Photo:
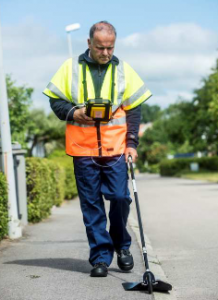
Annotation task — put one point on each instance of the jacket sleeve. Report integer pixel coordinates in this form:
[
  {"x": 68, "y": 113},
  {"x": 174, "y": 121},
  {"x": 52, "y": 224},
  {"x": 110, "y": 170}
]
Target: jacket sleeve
[
  {"x": 133, "y": 117},
  {"x": 60, "y": 85},
  {"x": 136, "y": 92},
  {"x": 62, "y": 109}
]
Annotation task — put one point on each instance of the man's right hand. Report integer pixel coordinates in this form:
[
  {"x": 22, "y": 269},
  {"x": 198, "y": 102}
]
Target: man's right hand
[{"x": 80, "y": 117}]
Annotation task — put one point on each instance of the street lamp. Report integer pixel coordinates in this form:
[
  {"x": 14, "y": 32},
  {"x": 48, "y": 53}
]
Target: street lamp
[{"x": 69, "y": 28}]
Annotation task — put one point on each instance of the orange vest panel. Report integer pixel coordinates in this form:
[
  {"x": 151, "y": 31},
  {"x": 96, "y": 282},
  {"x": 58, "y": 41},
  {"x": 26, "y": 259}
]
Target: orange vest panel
[{"x": 82, "y": 140}]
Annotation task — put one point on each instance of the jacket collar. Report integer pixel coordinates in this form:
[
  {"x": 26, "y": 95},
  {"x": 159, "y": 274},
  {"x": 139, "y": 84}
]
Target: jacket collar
[{"x": 89, "y": 60}]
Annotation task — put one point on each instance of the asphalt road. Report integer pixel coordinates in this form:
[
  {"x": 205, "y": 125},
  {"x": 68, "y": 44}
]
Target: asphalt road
[{"x": 180, "y": 218}]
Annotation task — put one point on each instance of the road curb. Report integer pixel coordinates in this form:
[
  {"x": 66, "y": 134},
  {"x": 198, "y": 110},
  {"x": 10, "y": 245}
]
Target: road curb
[{"x": 153, "y": 260}]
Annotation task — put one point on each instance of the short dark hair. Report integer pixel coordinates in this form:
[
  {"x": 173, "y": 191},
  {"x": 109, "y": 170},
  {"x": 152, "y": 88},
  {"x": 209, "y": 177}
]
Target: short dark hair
[{"x": 98, "y": 27}]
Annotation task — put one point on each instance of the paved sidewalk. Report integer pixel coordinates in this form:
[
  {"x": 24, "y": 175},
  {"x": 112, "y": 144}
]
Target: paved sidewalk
[{"x": 51, "y": 263}]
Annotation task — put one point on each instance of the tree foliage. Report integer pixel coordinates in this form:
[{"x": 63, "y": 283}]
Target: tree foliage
[
  {"x": 31, "y": 127},
  {"x": 206, "y": 113},
  {"x": 47, "y": 131},
  {"x": 186, "y": 126},
  {"x": 149, "y": 113},
  {"x": 19, "y": 102}
]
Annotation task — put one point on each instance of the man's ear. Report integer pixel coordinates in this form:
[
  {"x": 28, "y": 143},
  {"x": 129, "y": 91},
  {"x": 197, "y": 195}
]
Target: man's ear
[{"x": 89, "y": 43}]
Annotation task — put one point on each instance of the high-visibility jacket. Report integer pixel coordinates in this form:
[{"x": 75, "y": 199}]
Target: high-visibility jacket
[{"x": 107, "y": 139}]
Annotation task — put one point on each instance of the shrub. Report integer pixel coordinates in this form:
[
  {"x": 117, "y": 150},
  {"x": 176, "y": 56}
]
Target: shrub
[
  {"x": 66, "y": 162},
  {"x": 175, "y": 167},
  {"x": 58, "y": 182},
  {"x": 45, "y": 187},
  {"x": 3, "y": 206},
  {"x": 70, "y": 183}
]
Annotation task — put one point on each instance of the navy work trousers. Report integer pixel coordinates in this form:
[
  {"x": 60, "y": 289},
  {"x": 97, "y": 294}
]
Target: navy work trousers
[{"x": 95, "y": 178}]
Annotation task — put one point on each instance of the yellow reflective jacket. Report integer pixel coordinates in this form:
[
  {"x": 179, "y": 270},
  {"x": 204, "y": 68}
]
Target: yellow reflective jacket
[{"x": 129, "y": 92}]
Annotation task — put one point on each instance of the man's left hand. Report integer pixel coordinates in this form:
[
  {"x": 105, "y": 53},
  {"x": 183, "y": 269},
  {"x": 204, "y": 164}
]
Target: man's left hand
[{"x": 131, "y": 151}]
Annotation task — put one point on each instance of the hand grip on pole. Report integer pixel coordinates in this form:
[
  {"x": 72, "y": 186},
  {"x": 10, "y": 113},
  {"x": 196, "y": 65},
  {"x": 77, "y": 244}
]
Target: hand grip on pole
[{"x": 130, "y": 161}]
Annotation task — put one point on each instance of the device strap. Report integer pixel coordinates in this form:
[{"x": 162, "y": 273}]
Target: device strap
[
  {"x": 85, "y": 90},
  {"x": 113, "y": 82}
]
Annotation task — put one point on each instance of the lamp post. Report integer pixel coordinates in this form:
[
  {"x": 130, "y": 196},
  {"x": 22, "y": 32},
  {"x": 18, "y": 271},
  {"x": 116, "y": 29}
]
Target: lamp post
[
  {"x": 69, "y": 28},
  {"x": 15, "y": 230}
]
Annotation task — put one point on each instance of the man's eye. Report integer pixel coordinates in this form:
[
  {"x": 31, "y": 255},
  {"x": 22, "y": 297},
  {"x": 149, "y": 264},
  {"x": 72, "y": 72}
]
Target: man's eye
[{"x": 109, "y": 48}]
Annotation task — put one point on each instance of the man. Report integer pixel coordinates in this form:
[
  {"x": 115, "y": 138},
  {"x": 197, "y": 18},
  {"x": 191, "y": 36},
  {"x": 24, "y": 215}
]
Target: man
[{"x": 101, "y": 149}]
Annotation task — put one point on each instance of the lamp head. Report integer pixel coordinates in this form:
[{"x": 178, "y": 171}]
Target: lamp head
[{"x": 72, "y": 27}]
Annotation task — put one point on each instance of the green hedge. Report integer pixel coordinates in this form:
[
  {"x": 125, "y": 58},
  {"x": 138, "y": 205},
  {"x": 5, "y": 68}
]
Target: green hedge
[
  {"x": 3, "y": 207},
  {"x": 58, "y": 178},
  {"x": 60, "y": 157},
  {"x": 175, "y": 167},
  {"x": 70, "y": 183},
  {"x": 49, "y": 182},
  {"x": 45, "y": 187}
]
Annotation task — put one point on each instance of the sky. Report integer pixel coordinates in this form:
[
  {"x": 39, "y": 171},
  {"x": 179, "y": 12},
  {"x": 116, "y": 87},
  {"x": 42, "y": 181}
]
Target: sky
[{"x": 171, "y": 44}]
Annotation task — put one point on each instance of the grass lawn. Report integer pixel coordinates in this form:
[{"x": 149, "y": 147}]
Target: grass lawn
[{"x": 208, "y": 176}]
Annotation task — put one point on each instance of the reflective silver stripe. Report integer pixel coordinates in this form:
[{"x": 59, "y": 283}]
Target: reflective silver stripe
[
  {"x": 120, "y": 84},
  {"x": 78, "y": 124},
  {"x": 75, "y": 79},
  {"x": 113, "y": 122},
  {"x": 135, "y": 96},
  {"x": 115, "y": 107},
  {"x": 56, "y": 91}
]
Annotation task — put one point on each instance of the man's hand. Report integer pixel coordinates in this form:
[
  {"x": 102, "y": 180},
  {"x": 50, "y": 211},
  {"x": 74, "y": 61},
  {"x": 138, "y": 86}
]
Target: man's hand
[
  {"x": 80, "y": 117},
  {"x": 132, "y": 152}
]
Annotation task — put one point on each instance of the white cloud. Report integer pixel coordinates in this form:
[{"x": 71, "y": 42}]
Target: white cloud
[
  {"x": 32, "y": 55},
  {"x": 171, "y": 59},
  {"x": 184, "y": 37}
]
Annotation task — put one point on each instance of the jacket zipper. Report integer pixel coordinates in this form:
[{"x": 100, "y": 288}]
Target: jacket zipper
[{"x": 99, "y": 81}]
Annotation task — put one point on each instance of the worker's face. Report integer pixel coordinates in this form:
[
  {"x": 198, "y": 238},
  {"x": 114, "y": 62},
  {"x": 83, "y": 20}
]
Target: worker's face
[{"x": 102, "y": 46}]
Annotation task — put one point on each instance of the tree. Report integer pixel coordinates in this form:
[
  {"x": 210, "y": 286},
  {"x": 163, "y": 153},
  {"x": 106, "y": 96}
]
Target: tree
[
  {"x": 47, "y": 131},
  {"x": 150, "y": 113},
  {"x": 32, "y": 127},
  {"x": 170, "y": 133},
  {"x": 19, "y": 102},
  {"x": 205, "y": 101},
  {"x": 186, "y": 126},
  {"x": 212, "y": 84}
]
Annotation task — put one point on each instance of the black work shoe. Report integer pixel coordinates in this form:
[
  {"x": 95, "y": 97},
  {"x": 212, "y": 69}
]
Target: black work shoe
[
  {"x": 125, "y": 260},
  {"x": 99, "y": 270}
]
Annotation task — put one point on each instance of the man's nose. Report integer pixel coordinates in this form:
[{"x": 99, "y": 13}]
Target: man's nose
[{"x": 105, "y": 51}]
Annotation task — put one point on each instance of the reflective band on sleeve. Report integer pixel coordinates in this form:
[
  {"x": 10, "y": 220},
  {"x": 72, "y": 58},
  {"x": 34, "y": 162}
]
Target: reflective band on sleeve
[
  {"x": 56, "y": 91},
  {"x": 75, "y": 80},
  {"x": 120, "y": 82},
  {"x": 142, "y": 90},
  {"x": 113, "y": 122},
  {"x": 142, "y": 99}
]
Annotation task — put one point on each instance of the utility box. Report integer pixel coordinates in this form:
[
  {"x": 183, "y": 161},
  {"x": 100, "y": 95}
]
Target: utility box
[{"x": 20, "y": 181}]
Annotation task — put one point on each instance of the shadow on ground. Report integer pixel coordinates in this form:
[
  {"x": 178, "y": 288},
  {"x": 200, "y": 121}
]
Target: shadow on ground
[{"x": 67, "y": 264}]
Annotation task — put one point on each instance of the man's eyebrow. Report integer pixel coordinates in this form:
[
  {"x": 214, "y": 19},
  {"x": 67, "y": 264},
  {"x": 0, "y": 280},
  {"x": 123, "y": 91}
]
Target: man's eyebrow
[{"x": 104, "y": 47}]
